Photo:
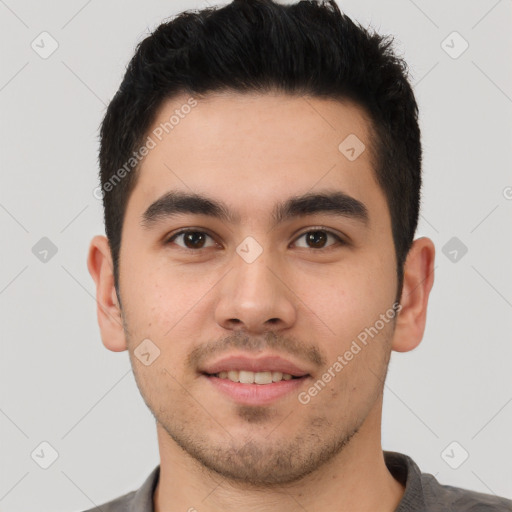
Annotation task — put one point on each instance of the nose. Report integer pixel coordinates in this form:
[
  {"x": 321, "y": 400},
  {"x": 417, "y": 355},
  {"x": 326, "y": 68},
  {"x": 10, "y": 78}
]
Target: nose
[{"x": 255, "y": 297}]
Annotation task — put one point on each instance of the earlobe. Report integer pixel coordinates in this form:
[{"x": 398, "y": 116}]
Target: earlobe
[
  {"x": 109, "y": 313},
  {"x": 417, "y": 284}
]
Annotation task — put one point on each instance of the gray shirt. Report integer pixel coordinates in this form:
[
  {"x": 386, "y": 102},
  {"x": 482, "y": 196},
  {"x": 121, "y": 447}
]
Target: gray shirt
[{"x": 423, "y": 493}]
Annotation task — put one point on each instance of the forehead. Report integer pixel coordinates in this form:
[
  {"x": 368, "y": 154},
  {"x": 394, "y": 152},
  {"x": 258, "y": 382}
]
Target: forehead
[{"x": 254, "y": 150}]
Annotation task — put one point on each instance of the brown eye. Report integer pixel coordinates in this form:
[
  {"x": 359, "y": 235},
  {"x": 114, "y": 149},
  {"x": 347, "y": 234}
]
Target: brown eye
[
  {"x": 191, "y": 239},
  {"x": 317, "y": 239}
]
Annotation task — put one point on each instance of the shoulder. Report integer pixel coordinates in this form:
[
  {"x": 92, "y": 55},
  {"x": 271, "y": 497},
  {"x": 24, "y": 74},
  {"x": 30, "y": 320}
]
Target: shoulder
[
  {"x": 140, "y": 500},
  {"x": 447, "y": 498},
  {"x": 424, "y": 493},
  {"x": 121, "y": 504}
]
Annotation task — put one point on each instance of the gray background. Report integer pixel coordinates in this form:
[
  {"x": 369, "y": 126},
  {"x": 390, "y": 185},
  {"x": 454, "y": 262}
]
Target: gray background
[{"x": 60, "y": 385}]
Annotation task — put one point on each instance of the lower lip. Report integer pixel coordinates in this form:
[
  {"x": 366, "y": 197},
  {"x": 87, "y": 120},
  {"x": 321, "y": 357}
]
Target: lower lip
[{"x": 256, "y": 394}]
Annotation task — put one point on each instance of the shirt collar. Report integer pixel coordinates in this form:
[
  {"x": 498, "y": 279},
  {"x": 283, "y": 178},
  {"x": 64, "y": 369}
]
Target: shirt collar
[
  {"x": 401, "y": 466},
  {"x": 406, "y": 471},
  {"x": 143, "y": 498}
]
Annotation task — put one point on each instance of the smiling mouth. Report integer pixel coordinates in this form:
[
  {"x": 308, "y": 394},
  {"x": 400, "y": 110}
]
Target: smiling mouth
[{"x": 249, "y": 377}]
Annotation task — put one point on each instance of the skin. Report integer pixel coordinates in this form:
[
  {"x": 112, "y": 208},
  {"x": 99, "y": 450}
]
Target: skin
[{"x": 252, "y": 151}]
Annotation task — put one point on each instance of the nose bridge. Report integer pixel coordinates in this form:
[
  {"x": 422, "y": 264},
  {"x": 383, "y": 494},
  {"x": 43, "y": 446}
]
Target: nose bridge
[
  {"x": 254, "y": 281},
  {"x": 253, "y": 295}
]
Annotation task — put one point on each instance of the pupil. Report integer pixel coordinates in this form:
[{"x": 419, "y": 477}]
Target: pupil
[
  {"x": 317, "y": 238},
  {"x": 192, "y": 238}
]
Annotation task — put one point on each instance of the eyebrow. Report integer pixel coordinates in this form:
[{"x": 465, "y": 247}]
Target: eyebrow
[{"x": 334, "y": 203}]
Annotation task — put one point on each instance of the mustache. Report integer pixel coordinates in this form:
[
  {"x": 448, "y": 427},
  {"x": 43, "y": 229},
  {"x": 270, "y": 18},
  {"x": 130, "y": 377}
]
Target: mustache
[{"x": 270, "y": 340}]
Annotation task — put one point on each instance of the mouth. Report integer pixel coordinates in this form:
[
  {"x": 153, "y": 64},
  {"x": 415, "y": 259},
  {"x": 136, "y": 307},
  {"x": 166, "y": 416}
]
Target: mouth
[
  {"x": 255, "y": 381},
  {"x": 264, "y": 369},
  {"x": 249, "y": 377}
]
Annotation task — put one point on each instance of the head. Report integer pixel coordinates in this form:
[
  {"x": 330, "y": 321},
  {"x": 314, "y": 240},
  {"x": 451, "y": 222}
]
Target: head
[
  {"x": 262, "y": 120},
  {"x": 305, "y": 49}
]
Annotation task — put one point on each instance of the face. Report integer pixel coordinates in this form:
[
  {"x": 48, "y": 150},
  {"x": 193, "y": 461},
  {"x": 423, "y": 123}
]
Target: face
[{"x": 283, "y": 271}]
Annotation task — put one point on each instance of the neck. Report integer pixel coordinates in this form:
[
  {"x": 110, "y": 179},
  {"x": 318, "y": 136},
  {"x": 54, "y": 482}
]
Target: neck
[{"x": 355, "y": 479}]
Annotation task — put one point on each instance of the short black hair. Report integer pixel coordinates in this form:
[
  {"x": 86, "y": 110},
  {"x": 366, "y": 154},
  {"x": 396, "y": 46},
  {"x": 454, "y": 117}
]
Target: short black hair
[{"x": 306, "y": 48}]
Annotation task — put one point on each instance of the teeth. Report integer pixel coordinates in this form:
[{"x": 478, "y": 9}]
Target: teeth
[
  {"x": 247, "y": 377},
  {"x": 233, "y": 375},
  {"x": 276, "y": 376},
  {"x": 262, "y": 378}
]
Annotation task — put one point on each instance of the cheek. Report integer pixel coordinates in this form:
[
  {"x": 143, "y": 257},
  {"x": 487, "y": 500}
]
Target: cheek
[
  {"x": 350, "y": 296},
  {"x": 158, "y": 294},
  {"x": 170, "y": 308},
  {"x": 349, "y": 302}
]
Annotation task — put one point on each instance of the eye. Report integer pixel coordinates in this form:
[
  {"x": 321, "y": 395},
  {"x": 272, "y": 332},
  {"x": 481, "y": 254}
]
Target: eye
[
  {"x": 191, "y": 239},
  {"x": 317, "y": 239},
  {"x": 195, "y": 240}
]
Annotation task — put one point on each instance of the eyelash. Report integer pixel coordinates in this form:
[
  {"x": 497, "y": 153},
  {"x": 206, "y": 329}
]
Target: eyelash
[{"x": 339, "y": 240}]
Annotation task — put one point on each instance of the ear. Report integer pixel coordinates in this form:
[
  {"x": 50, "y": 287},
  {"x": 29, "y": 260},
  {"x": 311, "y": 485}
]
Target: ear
[
  {"x": 99, "y": 263},
  {"x": 418, "y": 281}
]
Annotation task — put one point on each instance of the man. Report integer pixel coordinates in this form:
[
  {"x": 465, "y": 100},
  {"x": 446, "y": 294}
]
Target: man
[{"x": 261, "y": 175}]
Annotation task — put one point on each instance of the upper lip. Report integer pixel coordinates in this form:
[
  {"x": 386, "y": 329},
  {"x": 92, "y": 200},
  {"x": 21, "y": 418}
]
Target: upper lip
[{"x": 254, "y": 364}]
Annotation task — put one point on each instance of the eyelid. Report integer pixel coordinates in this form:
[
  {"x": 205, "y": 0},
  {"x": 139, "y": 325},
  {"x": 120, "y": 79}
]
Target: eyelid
[
  {"x": 339, "y": 238},
  {"x": 169, "y": 239}
]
